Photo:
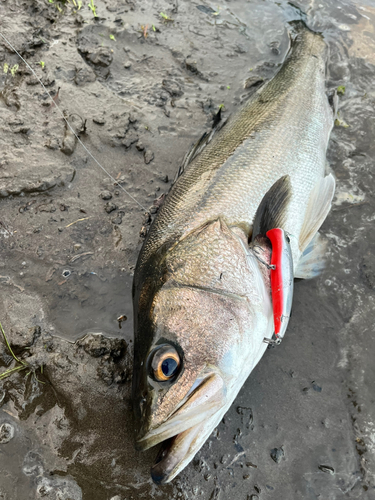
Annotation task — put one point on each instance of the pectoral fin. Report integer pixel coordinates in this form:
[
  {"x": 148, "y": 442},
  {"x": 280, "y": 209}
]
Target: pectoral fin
[
  {"x": 317, "y": 210},
  {"x": 312, "y": 261},
  {"x": 272, "y": 209}
]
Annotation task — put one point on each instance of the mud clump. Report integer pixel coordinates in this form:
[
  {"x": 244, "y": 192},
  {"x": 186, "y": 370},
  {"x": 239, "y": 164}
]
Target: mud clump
[
  {"x": 99, "y": 346},
  {"x": 110, "y": 207},
  {"x": 76, "y": 126},
  {"x": 148, "y": 156},
  {"x": 6, "y": 433},
  {"x": 100, "y": 57},
  {"x": 105, "y": 195},
  {"x": 84, "y": 74}
]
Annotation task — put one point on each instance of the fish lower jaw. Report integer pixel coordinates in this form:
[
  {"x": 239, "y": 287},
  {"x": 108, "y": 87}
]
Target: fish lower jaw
[
  {"x": 177, "y": 426},
  {"x": 176, "y": 452}
]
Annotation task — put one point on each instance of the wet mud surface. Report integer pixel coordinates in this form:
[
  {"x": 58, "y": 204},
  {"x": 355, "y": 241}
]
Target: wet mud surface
[{"x": 139, "y": 89}]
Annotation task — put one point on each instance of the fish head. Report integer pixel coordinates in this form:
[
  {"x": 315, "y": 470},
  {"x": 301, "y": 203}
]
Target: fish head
[{"x": 201, "y": 351}]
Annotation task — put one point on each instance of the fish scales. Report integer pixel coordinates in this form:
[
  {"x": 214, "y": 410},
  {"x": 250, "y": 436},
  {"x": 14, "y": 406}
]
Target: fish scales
[
  {"x": 202, "y": 300},
  {"x": 283, "y": 129}
]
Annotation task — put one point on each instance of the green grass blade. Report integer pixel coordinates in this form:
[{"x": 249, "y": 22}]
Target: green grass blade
[
  {"x": 12, "y": 370},
  {"x": 8, "y": 345}
]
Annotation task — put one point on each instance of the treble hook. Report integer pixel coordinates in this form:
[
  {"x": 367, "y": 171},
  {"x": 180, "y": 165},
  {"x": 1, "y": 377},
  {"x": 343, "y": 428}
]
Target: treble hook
[
  {"x": 276, "y": 340},
  {"x": 256, "y": 255}
]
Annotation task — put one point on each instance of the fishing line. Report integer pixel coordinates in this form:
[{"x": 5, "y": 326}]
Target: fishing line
[{"x": 53, "y": 103}]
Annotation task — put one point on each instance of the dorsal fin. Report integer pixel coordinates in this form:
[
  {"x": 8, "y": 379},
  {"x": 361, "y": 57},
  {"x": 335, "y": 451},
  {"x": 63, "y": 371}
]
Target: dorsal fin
[
  {"x": 218, "y": 124},
  {"x": 272, "y": 209}
]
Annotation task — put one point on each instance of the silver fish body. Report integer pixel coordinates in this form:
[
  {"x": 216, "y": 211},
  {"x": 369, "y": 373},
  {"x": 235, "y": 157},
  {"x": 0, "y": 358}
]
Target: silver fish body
[{"x": 202, "y": 302}]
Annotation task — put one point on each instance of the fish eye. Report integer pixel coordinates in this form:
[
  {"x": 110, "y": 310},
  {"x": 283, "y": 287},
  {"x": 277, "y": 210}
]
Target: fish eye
[{"x": 165, "y": 363}]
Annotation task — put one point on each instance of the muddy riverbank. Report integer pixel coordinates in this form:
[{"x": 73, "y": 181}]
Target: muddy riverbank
[{"x": 139, "y": 83}]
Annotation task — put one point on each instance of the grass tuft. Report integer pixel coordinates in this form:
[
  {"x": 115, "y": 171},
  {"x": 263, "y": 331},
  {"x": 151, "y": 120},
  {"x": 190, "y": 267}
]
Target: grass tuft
[
  {"x": 8, "y": 346},
  {"x": 93, "y": 7},
  {"x": 21, "y": 365},
  {"x": 166, "y": 17}
]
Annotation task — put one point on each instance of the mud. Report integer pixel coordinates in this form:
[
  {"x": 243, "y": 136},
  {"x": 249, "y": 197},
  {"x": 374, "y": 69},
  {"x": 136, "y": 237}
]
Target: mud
[{"x": 139, "y": 89}]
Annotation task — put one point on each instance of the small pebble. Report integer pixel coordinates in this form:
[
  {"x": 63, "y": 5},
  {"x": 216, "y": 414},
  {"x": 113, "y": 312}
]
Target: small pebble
[
  {"x": 316, "y": 387},
  {"x": 99, "y": 120},
  {"x": 277, "y": 454},
  {"x": 148, "y": 156},
  {"x": 117, "y": 220},
  {"x": 6, "y": 433},
  {"x": 327, "y": 468},
  {"x": 105, "y": 195},
  {"x": 127, "y": 65},
  {"x": 110, "y": 207}
]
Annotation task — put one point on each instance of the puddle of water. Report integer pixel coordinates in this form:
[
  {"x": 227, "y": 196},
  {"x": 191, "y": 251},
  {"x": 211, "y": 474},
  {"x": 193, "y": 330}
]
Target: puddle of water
[
  {"x": 79, "y": 298},
  {"x": 93, "y": 303}
]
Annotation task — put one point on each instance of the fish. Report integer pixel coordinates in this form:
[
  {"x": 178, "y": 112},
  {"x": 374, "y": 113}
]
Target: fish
[{"x": 202, "y": 291}]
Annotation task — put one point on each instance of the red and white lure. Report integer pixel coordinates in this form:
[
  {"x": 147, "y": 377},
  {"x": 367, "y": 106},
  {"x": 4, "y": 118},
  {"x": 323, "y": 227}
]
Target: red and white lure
[
  {"x": 282, "y": 279},
  {"x": 271, "y": 246}
]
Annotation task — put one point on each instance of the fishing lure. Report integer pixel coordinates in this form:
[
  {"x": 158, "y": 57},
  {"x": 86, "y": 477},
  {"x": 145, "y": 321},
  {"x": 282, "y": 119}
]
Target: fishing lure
[{"x": 282, "y": 280}]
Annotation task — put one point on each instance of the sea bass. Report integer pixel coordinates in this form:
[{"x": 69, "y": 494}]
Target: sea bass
[{"x": 202, "y": 289}]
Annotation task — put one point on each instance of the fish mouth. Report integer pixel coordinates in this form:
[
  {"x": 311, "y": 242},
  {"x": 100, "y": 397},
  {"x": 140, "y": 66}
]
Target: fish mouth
[
  {"x": 176, "y": 452},
  {"x": 180, "y": 432}
]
